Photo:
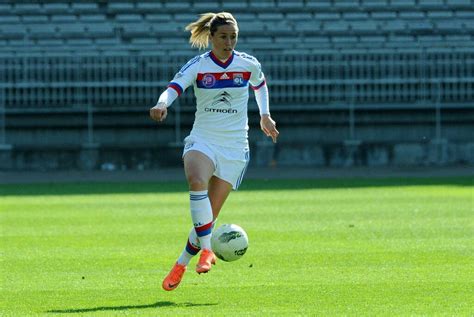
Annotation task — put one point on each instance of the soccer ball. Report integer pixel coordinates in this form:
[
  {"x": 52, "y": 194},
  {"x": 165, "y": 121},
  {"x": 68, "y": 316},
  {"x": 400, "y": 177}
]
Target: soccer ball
[{"x": 229, "y": 242}]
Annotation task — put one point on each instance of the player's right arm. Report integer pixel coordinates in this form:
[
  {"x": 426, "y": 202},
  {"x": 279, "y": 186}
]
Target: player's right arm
[
  {"x": 182, "y": 80},
  {"x": 159, "y": 112}
]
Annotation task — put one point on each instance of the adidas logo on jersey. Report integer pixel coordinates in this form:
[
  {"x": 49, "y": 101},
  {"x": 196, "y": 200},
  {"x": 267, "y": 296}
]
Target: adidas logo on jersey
[{"x": 224, "y": 76}]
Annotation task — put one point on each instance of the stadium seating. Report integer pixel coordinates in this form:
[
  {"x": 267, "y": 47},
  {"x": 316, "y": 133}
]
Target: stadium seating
[
  {"x": 394, "y": 60},
  {"x": 318, "y": 55},
  {"x": 346, "y": 23}
]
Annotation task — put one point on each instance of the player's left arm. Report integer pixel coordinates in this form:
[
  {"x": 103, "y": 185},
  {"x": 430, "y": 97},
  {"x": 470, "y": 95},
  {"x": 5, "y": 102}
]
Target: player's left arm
[{"x": 267, "y": 124}]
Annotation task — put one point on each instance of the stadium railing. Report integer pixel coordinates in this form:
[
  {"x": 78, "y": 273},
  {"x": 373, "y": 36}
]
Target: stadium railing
[{"x": 383, "y": 78}]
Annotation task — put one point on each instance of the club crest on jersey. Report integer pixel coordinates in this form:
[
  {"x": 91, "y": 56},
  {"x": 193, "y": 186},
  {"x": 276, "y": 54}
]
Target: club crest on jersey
[
  {"x": 238, "y": 79},
  {"x": 208, "y": 80}
]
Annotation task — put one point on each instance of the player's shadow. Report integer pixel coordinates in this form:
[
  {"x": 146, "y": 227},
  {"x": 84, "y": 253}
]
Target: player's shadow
[{"x": 128, "y": 307}]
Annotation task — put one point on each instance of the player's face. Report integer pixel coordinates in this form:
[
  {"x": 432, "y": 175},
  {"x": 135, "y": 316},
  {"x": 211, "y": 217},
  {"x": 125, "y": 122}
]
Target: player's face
[{"x": 224, "y": 40}]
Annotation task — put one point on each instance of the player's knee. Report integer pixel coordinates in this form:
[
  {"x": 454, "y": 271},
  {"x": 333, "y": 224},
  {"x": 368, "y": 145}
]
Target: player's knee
[{"x": 197, "y": 182}]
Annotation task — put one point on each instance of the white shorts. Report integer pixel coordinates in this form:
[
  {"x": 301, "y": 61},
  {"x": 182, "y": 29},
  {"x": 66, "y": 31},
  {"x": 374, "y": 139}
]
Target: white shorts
[{"x": 230, "y": 163}]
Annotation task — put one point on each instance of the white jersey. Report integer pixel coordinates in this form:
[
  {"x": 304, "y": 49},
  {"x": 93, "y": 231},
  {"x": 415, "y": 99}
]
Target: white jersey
[{"x": 222, "y": 93}]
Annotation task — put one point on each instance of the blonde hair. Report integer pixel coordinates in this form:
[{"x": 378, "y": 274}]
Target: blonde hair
[{"x": 207, "y": 25}]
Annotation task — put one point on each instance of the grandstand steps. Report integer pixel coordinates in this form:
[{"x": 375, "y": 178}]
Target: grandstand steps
[
  {"x": 393, "y": 122},
  {"x": 130, "y": 140},
  {"x": 347, "y": 23},
  {"x": 394, "y": 60}
]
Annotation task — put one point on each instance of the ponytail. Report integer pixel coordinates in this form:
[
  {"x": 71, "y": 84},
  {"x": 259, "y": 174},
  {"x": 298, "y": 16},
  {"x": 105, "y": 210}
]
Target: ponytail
[{"x": 207, "y": 25}]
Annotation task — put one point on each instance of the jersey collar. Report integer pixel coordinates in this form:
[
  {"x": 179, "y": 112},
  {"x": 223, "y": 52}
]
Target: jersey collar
[{"x": 222, "y": 64}]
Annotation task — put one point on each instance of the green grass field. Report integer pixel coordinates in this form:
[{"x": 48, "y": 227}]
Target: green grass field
[{"x": 381, "y": 247}]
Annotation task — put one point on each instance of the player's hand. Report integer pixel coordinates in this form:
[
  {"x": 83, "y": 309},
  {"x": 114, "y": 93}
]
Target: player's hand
[
  {"x": 268, "y": 127},
  {"x": 159, "y": 112}
]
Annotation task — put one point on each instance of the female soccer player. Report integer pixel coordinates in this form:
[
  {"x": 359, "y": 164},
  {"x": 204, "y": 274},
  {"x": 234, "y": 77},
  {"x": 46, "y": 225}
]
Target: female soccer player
[{"x": 216, "y": 153}]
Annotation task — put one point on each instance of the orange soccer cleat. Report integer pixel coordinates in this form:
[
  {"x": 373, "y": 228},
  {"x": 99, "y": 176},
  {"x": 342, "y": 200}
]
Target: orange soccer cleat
[
  {"x": 206, "y": 260},
  {"x": 174, "y": 277}
]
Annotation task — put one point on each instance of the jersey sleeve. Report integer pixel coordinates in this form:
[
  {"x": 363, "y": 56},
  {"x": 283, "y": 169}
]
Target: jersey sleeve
[
  {"x": 186, "y": 76},
  {"x": 257, "y": 78}
]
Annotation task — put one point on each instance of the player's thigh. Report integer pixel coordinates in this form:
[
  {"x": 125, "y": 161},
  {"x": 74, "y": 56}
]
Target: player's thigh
[
  {"x": 198, "y": 168},
  {"x": 218, "y": 192}
]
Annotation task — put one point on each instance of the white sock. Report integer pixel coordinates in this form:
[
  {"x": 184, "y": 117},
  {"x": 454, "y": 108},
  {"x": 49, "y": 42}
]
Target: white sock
[{"x": 201, "y": 213}]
